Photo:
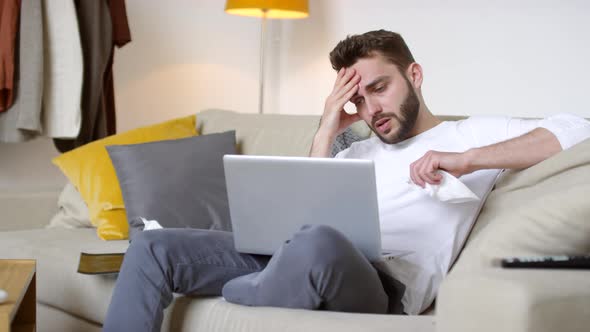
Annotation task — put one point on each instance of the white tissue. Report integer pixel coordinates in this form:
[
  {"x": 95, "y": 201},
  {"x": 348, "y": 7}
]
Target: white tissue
[
  {"x": 150, "y": 224},
  {"x": 450, "y": 189}
]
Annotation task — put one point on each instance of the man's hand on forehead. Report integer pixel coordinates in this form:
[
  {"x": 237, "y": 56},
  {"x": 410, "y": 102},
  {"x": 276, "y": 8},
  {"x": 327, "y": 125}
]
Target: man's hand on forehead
[
  {"x": 346, "y": 85},
  {"x": 335, "y": 120}
]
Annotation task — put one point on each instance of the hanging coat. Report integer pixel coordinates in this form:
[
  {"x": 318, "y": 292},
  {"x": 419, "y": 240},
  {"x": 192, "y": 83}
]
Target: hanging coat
[
  {"x": 9, "y": 11},
  {"x": 94, "y": 21},
  {"x": 63, "y": 74},
  {"x": 22, "y": 121}
]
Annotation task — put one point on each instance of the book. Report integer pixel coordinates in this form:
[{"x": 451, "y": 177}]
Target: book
[{"x": 100, "y": 263}]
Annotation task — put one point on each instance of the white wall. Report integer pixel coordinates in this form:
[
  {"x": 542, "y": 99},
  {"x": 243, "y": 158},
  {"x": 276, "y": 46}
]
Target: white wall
[
  {"x": 524, "y": 58},
  {"x": 26, "y": 167},
  {"x": 185, "y": 56}
]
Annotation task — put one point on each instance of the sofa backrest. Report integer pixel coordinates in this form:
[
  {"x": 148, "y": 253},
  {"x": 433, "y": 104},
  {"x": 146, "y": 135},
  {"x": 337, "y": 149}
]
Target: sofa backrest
[
  {"x": 267, "y": 134},
  {"x": 271, "y": 134},
  {"x": 541, "y": 210}
]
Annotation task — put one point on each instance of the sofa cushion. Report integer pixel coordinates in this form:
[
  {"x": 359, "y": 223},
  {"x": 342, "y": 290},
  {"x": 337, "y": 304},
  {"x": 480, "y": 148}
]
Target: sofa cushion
[
  {"x": 542, "y": 210},
  {"x": 178, "y": 183},
  {"x": 59, "y": 286},
  {"x": 89, "y": 168},
  {"x": 51, "y": 319},
  {"x": 514, "y": 300},
  {"x": 57, "y": 251},
  {"x": 213, "y": 314}
]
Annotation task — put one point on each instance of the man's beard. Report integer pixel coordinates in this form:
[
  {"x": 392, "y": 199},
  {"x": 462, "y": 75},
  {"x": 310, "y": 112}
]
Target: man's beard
[{"x": 409, "y": 113}]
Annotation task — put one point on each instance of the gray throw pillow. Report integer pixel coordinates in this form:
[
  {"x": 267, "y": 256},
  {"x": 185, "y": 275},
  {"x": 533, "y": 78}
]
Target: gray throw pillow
[
  {"x": 178, "y": 183},
  {"x": 344, "y": 141}
]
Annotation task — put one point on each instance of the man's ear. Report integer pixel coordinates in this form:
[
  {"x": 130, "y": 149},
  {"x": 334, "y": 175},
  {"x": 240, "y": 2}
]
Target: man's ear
[{"x": 414, "y": 74}]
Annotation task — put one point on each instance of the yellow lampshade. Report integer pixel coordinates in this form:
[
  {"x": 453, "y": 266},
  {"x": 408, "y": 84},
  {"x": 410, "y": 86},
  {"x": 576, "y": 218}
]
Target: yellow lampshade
[{"x": 272, "y": 8}]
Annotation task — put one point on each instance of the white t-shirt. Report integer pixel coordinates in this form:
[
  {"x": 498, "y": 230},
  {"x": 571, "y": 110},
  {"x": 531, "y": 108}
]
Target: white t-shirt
[{"x": 424, "y": 234}]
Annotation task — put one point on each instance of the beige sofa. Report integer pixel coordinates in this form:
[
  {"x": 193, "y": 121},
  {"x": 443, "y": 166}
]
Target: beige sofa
[{"x": 542, "y": 210}]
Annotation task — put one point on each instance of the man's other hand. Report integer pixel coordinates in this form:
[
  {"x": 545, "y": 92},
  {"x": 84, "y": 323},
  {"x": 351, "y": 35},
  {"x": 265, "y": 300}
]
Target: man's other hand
[{"x": 425, "y": 169}]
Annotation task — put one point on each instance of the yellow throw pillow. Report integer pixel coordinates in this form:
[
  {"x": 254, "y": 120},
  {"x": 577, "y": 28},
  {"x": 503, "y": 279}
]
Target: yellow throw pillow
[{"x": 89, "y": 168}]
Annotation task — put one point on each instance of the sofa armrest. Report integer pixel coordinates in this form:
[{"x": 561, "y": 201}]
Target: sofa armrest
[
  {"x": 27, "y": 209},
  {"x": 507, "y": 300}
]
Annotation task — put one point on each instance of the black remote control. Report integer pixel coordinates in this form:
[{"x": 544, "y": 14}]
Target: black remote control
[{"x": 548, "y": 262}]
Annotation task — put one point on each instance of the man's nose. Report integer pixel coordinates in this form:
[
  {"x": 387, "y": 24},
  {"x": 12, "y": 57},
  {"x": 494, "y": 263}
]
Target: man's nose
[{"x": 373, "y": 107}]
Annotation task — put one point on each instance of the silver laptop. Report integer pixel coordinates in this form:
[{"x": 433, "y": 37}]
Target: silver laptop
[{"x": 271, "y": 198}]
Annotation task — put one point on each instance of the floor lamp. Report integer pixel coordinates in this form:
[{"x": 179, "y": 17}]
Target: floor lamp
[{"x": 279, "y": 9}]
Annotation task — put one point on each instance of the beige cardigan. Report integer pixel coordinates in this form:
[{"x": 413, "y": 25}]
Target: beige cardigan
[{"x": 63, "y": 75}]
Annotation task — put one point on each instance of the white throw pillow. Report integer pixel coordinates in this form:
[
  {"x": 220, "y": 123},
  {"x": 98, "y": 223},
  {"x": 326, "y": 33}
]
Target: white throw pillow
[{"x": 72, "y": 210}]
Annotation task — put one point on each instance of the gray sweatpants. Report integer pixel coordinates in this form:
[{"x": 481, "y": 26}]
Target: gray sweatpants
[{"x": 317, "y": 269}]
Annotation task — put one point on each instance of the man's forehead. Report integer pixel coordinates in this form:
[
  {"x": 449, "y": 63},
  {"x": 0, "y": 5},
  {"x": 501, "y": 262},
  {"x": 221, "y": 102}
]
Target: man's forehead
[
  {"x": 369, "y": 75},
  {"x": 376, "y": 63}
]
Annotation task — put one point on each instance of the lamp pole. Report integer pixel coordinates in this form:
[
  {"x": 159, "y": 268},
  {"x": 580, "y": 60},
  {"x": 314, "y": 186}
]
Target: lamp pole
[
  {"x": 261, "y": 73},
  {"x": 272, "y": 9}
]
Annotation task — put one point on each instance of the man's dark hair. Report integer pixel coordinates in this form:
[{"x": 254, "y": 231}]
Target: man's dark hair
[{"x": 389, "y": 44}]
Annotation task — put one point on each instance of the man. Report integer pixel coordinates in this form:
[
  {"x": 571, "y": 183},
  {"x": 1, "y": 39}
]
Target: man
[{"x": 319, "y": 268}]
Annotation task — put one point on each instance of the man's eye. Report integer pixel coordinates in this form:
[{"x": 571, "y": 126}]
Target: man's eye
[
  {"x": 358, "y": 102},
  {"x": 380, "y": 89}
]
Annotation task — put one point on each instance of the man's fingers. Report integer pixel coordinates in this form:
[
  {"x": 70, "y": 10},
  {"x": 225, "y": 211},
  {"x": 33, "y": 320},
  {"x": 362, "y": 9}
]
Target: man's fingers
[
  {"x": 436, "y": 175},
  {"x": 428, "y": 170},
  {"x": 348, "y": 90},
  {"x": 422, "y": 176},
  {"x": 340, "y": 82},
  {"x": 349, "y": 93},
  {"x": 354, "y": 81},
  {"x": 338, "y": 102},
  {"x": 423, "y": 171},
  {"x": 414, "y": 173},
  {"x": 434, "y": 167},
  {"x": 341, "y": 73},
  {"x": 429, "y": 177}
]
